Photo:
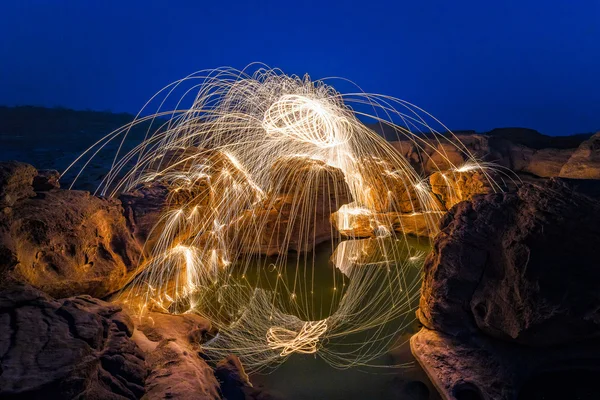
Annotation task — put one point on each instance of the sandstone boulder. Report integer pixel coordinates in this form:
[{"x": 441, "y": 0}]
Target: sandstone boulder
[
  {"x": 69, "y": 349},
  {"x": 520, "y": 267},
  {"x": 172, "y": 347},
  {"x": 585, "y": 161},
  {"x": 510, "y": 294},
  {"x": 547, "y": 163},
  {"x": 480, "y": 368},
  {"x": 352, "y": 222},
  {"x": 203, "y": 185},
  {"x": 301, "y": 187},
  {"x": 429, "y": 154},
  {"x": 67, "y": 243},
  {"x": 455, "y": 186},
  {"x": 143, "y": 208},
  {"x": 16, "y": 179},
  {"x": 235, "y": 383}
]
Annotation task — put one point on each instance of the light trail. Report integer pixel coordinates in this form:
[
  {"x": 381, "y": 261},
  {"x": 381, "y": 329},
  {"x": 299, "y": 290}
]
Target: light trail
[{"x": 258, "y": 163}]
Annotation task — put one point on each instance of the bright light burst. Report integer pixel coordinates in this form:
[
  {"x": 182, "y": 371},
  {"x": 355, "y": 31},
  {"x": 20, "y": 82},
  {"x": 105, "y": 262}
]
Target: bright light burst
[{"x": 255, "y": 167}]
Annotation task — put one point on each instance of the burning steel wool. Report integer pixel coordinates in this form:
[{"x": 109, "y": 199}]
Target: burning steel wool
[{"x": 260, "y": 169}]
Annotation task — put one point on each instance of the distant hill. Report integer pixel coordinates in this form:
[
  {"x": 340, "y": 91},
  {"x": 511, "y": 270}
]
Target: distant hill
[
  {"x": 525, "y": 136},
  {"x": 55, "y": 137},
  {"x": 535, "y": 140},
  {"x": 52, "y": 138},
  {"x": 33, "y": 120}
]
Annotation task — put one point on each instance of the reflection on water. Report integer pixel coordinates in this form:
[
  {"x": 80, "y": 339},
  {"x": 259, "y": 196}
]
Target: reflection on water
[{"x": 351, "y": 304}]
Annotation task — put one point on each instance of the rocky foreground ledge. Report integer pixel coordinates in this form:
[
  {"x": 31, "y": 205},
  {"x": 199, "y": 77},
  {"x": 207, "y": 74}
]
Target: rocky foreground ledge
[
  {"x": 511, "y": 291},
  {"x": 60, "y": 251}
]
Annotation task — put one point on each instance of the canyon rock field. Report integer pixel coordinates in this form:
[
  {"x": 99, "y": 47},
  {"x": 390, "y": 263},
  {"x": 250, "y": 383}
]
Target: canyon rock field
[{"x": 510, "y": 290}]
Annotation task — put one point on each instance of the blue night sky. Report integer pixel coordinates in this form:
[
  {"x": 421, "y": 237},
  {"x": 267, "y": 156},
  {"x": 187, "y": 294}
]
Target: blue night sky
[{"x": 473, "y": 64}]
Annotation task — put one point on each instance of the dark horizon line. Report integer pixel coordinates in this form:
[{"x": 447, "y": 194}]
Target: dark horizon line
[{"x": 133, "y": 115}]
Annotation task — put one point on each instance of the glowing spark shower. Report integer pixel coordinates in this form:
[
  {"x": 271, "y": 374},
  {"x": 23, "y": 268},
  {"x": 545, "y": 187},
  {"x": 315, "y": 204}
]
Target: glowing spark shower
[{"x": 261, "y": 171}]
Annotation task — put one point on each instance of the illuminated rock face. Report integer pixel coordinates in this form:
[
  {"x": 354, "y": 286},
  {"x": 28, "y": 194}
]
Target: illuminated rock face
[
  {"x": 295, "y": 214},
  {"x": 428, "y": 155},
  {"x": 172, "y": 344},
  {"x": 71, "y": 348},
  {"x": 452, "y": 187},
  {"x": 67, "y": 243},
  {"x": 362, "y": 223},
  {"x": 389, "y": 190},
  {"x": 585, "y": 161},
  {"x": 143, "y": 208}
]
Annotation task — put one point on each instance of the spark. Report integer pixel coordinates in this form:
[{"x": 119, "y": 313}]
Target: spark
[
  {"x": 242, "y": 146},
  {"x": 305, "y": 341}
]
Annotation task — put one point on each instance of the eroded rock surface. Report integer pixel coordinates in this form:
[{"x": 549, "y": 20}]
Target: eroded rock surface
[
  {"x": 511, "y": 290},
  {"x": 300, "y": 187},
  {"x": 172, "y": 344},
  {"x": 67, "y": 243},
  {"x": 16, "y": 179},
  {"x": 479, "y": 367},
  {"x": 61, "y": 241},
  {"x": 519, "y": 266},
  {"x": 452, "y": 187},
  {"x": 363, "y": 223},
  {"x": 585, "y": 161},
  {"x": 72, "y": 348}
]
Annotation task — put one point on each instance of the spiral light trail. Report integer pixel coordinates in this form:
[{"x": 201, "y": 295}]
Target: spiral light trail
[{"x": 262, "y": 170}]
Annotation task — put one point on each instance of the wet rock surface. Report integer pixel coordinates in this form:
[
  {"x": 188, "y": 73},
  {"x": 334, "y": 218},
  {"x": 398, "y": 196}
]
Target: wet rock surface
[{"x": 78, "y": 347}]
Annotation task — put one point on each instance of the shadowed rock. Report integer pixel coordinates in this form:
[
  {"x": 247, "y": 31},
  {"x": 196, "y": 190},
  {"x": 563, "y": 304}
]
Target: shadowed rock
[
  {"x": 481, "y": 368},
  {"x": 235, "y": 383},
  {"x": 70, "y": 348},
  {"x": 519, "y": 266},
  {"x": 46, "y": 179},
  {"x": 16, "y": 180},
  {"x": 511, "y": 290}
]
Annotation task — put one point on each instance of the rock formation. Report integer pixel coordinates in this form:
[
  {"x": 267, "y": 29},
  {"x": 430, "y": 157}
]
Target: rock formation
[
  {"x": 63, "y": 242},
  {"x": 521, "y": 150},
  {"x": 299, "y": 187},
  {"x": 362, "y": 223},
  {"x": 510, "y": 290},
  {"x": 73, "y": 348},
  {"x": 172, "y": 344},
  {"x": 510, "y": 270},
  {"x": 585, "y": 161},
  {"x": 16, "y": 182},
  {"x": 452, "y": 187}
]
